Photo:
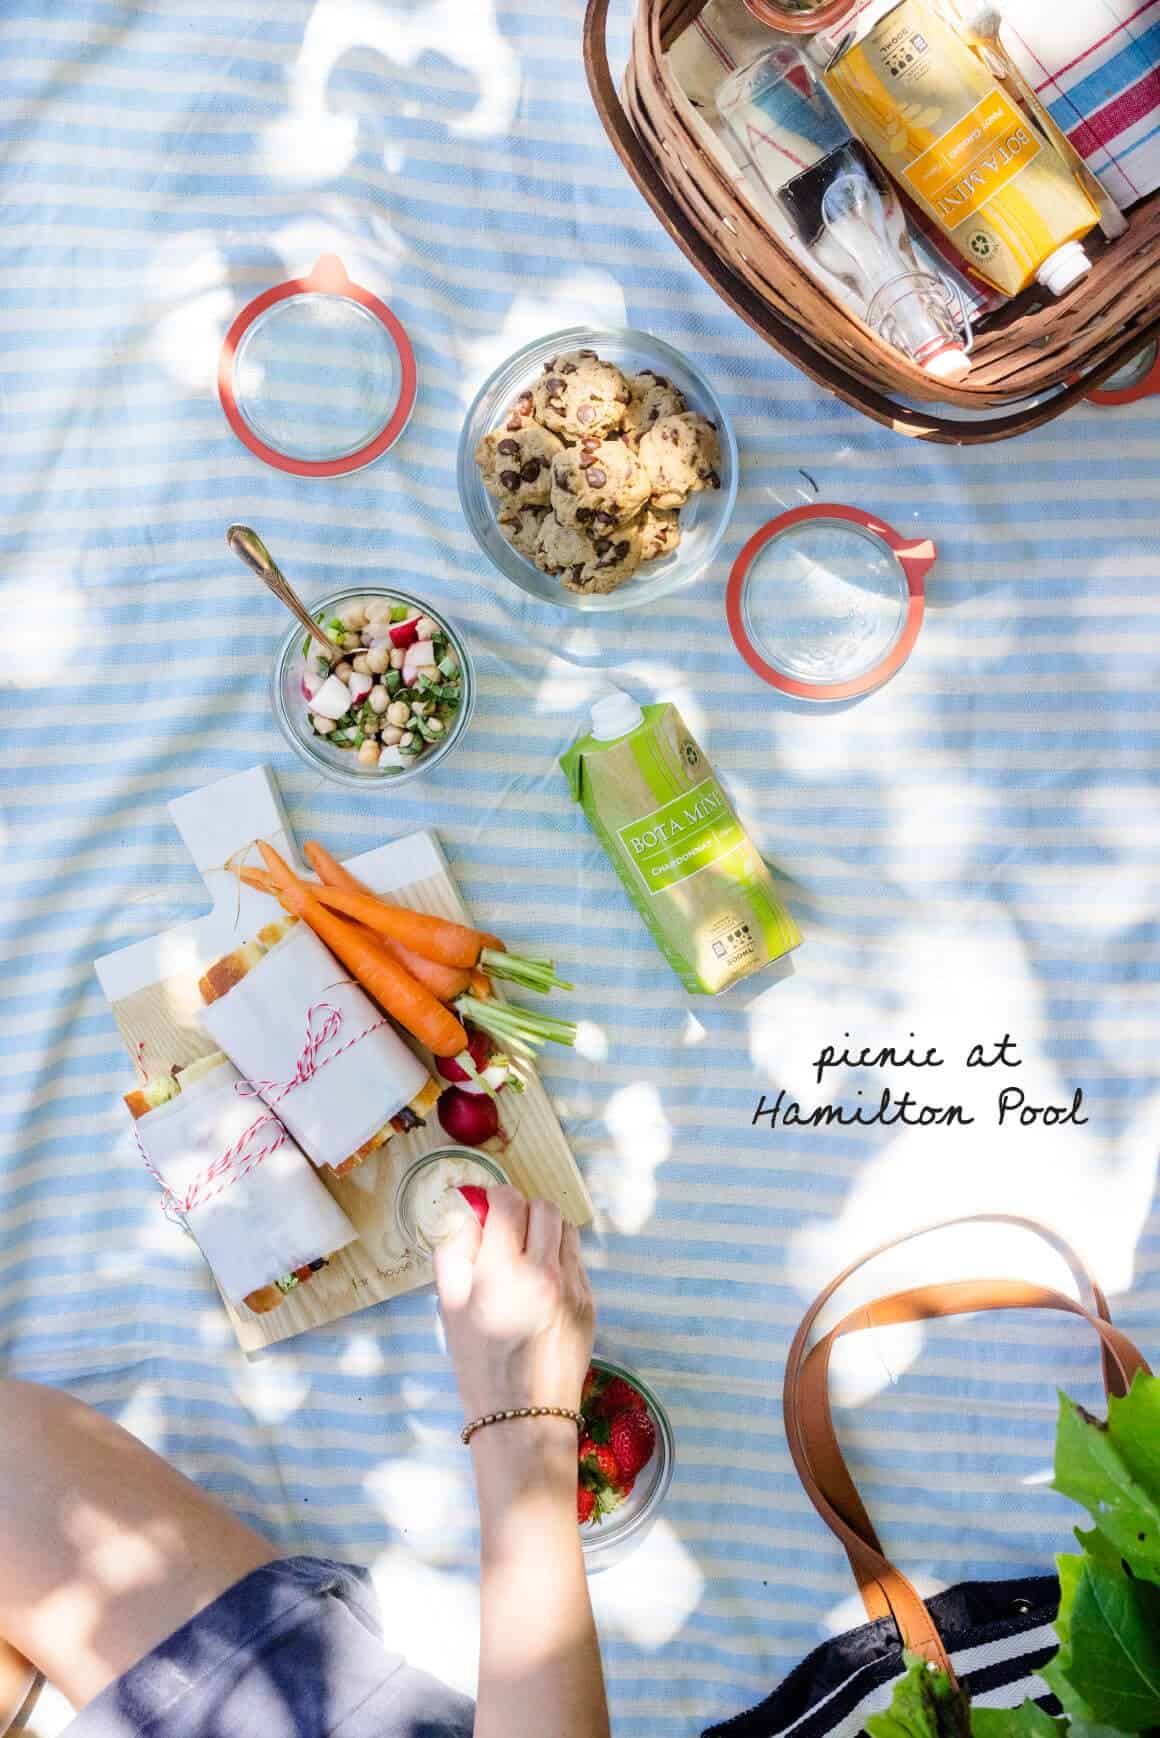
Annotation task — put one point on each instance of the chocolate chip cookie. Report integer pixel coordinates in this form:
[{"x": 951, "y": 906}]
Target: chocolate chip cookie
[
  {"x": 522, "y": 526},
  {"x": 598, "y": 485},
  {"x": 563, "y": 551},
  {"x": 652, "y": 396},
  {"x": 578, "y": 395},
  {"x": 682, "y": 456},
  {"x": 515, "y": 462}
]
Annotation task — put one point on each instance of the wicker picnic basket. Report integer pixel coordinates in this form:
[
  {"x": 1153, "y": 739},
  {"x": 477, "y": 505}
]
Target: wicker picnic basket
[{"x": 1031, "y": 360}]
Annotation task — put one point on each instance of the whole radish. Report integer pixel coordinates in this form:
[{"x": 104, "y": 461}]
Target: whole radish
[{"x": 469, "y": 1118}]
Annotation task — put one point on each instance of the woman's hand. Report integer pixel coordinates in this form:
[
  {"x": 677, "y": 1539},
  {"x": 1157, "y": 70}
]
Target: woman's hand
[
  {"x": 519, "y": 1318},
  {"x": 517, "y": 1307}
]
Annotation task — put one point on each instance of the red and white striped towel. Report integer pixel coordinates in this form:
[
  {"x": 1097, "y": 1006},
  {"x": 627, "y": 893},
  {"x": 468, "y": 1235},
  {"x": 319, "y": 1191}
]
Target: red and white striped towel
[{"x": 1095, "y": 66}]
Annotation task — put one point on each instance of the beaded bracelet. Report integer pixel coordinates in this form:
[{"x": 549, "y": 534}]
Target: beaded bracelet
[{"x": 469, "y": 1430}]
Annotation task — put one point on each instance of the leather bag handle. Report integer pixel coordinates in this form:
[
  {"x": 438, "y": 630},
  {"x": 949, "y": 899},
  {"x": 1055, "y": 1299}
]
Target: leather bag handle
[{"x": 809, "y": 1422}]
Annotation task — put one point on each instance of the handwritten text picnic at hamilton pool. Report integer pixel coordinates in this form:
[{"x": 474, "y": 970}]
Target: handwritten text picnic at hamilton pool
[{"x": 1013, "y": 1107}]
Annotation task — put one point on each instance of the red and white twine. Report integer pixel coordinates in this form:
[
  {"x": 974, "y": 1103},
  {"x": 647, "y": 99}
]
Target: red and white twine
[{"x": 240, "y": 1159}]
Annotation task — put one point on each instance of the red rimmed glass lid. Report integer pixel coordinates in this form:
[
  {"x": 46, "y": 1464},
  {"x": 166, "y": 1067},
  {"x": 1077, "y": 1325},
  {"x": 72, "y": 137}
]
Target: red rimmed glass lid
[
  {"x": 1138, "y": 378},
  {"x": 826, "y": 602},
  {"x": 316, "y": 375}
]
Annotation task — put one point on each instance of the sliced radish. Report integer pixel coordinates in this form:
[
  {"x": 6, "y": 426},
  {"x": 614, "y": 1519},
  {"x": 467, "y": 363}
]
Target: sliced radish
[
  {"x": 420, "y": 656},
  {"x": 405, "y": 633},
  {"x": 332, "y": 700},
  {"x": 311, "y": 683},
  {"x": 391, "y": 756},
  {"x": 360, "y": 687}
]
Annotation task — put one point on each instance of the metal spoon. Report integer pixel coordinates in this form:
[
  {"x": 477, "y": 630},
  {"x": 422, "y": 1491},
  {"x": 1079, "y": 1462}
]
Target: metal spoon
[{"x": 248, "y": 547}]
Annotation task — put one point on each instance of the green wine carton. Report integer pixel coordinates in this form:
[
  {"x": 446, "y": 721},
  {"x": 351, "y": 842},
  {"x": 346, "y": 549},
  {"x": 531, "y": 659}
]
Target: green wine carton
[{"x": 686, "y": 862}]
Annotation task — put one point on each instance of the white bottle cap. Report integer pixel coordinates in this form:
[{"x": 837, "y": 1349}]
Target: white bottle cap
[
  {"x": 949, "y": 364},
  {"x": 615, "y": 715},
  {"x": 1065, "y": 267}
]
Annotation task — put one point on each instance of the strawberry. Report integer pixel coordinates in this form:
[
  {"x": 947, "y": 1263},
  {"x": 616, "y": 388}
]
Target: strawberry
[
  {"x": 620, "y": 1396},
  {"x": 607, "y": 1501},
  {"x": 585, "y": 1505},
  {"x": 599, "y": 1462},
  {"x": 632, "y": 1436},
  {"x": 593, "y": 1387}
]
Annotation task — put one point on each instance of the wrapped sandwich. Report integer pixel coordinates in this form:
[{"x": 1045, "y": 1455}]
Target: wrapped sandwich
[
  {"x": 316, "y": 1048},
  {"x": 264, "y": 1221}
]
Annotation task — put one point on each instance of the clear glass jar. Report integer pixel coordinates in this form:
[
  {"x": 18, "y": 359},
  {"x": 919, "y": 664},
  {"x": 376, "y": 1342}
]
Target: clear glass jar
[
  {"x": 416, "y": 1176},
  {"x": 611, "y": 1540},
  {"x": 704, "y": 518},
  {"x": 341, "y": 764}
]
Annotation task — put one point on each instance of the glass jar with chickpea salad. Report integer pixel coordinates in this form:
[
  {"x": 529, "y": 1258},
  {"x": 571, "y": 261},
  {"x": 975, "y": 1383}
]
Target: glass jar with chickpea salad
[{"x": 394, "y": 697}]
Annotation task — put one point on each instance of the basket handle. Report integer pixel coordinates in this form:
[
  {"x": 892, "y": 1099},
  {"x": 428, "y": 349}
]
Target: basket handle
[{"x": 809, "y": 1422}]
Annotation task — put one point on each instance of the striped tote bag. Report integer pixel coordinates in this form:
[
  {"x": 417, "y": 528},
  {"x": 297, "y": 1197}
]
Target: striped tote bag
[{"x": 991, "y": 1635}]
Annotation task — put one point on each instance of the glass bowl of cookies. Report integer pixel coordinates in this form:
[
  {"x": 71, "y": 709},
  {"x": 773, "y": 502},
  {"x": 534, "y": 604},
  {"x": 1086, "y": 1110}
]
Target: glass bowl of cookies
[{"x": 598, "y": 469}]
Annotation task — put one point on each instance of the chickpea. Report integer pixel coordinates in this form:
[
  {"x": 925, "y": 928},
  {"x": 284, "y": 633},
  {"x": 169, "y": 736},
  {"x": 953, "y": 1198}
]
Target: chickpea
[
  {"x": 378, "y": 660},
  {"x": 427, "y": 628},
  {"x": 398, "y": 657},
  {"x": 368, "y": 754},
  {"x": 392, "y": 735},
  {"x": 420, "y": 708},
  {"x": 435, "y": 726},
  {"x": 378, "y": 610},
  {"x": 360, "y": 666},
  {"x": 324, "y": 726},
  {"x": 379, "y": 698},
  {"x": 353, "y": 616},
  {"x": 406, "y": 739},
  {"x": 343, "y": 670},
  {"x": 398, "y": 712}
]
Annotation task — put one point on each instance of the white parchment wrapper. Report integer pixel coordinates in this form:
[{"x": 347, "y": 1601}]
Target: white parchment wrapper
[
  {"x": 262, "y": 1225},
  {"x": 261, "y": 1026}
]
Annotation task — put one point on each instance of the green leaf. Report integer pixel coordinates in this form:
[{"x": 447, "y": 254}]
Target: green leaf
[
  {"x": 925, "y": 1704},
  {"x": 1113, "y": 1470},
  {"x": 1107, "y": 1670},
  {"x": 1026, "y": 1721},
  {"x": 1134, "y": 1426}
]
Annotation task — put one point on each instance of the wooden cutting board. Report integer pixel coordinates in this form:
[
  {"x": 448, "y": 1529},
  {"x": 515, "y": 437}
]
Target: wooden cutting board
[{"x": 152, "y": 990}]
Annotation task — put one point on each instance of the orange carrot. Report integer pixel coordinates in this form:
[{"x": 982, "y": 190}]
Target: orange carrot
[
  {"x": 257, "y": 878},
  {"x": 446, "y": 982},
  {"x": 329, "y": 870},
  {"x": 383, "y": 978},
  {"x": 452, "y": 944}
]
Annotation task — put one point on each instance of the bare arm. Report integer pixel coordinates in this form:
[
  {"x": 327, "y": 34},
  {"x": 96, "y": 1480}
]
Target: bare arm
[{"x": 519, "y": 1319}]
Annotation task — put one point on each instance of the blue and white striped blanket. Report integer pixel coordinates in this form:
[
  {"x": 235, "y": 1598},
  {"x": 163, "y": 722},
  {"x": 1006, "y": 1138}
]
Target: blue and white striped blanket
[{"x": 972, "y": 851}]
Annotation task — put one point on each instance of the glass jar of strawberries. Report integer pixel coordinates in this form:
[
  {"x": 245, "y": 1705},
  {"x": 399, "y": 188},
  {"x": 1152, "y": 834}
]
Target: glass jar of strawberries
[{"x": 626, "y": 1458}]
